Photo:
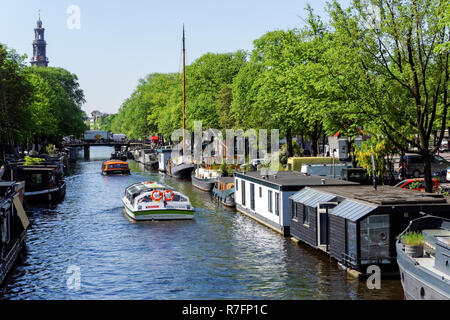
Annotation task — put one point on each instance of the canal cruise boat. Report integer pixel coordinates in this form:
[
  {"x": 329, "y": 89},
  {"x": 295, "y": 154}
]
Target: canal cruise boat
[
  {"x": 154, "y": 201},
  {"x": 115, "y": 167}
]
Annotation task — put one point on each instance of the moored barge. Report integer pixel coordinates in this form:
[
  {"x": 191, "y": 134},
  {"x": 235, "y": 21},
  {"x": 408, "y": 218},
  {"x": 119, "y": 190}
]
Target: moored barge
[
  {"x": 13, "y": 227},
  {"x": 425, "y": 273},
  {"x": 44, "y": 183},
  {"x": 224, "y": 191}
]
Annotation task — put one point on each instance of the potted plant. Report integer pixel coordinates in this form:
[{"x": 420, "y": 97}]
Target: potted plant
[{"x": 413, "y": 242}]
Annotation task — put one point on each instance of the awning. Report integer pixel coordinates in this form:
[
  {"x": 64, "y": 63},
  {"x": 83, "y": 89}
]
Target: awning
[
  {"x": 310, "y": 197},
  {"x": 352, "y": 210},
  {"x": 154, "y": 138},
  {"x": 21, "y": 212}
]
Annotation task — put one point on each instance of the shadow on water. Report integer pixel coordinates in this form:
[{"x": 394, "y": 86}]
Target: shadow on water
[{"x": 219, "y": 255}]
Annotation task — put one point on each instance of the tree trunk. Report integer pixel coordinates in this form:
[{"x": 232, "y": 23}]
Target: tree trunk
[
  {"x": 290, "y": 151},
  {"x": 314, "y": 142},
  {"x": 427, "y": 171}
]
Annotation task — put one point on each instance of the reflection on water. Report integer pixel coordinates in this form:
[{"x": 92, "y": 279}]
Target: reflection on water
[{"x": 218, "y": 255}]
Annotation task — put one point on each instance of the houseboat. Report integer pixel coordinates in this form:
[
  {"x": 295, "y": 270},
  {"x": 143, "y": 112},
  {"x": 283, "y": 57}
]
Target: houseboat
[
  {"x": 13, "y": 226},
  {"x": 154, "y": 201},
  {"x": 204, "y": 179},
  {"x": 224, "y": 191},
  {"x": 115, "y": 167},
  {"x": 425, "y": 272},
  {"x": 265, "y": 198},
  {"x": 44, "y": 183},
  {"x": 358, "y": 226}
]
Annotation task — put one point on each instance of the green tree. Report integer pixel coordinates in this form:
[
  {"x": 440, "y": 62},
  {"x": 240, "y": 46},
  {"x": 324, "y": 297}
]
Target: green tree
[{"x": 386, "y": 57}]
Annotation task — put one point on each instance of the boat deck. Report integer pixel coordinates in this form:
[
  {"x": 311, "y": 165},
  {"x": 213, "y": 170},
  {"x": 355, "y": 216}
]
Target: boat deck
[{"x": 428, "y": 264}]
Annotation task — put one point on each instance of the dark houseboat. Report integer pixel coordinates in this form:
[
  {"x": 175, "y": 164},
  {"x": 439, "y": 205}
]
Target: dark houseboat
[
  {"x": 44, "y": 183},
  {"x": 224, "y": 191},
  {"x": 358, "y": 226},
  {"x": 424, "y": 268},
  {"x": 13, "y": 226}
]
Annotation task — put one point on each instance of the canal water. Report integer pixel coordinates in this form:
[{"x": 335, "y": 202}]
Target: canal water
[{"x": 86, "y": 248}]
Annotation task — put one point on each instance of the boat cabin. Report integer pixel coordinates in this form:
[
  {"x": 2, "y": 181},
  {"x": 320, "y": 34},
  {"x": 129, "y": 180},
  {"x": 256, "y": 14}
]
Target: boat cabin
[
  {"x": 358, "y": 226},
  {"x": 112, "y": 167},
  {"x": 43, "y": 182}
]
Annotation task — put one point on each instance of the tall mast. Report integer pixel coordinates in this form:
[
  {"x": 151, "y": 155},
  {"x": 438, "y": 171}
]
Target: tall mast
[{"x": 184, "y": 87}]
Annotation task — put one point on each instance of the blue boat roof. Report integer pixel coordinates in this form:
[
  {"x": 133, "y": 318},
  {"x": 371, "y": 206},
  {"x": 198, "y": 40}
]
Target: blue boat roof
[{"x": 311, "y": 197}]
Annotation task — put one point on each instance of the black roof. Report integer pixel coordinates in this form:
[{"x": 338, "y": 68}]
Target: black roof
[
  {"x": 385, "y": 195},
  {"x": 291, "y": 180}
]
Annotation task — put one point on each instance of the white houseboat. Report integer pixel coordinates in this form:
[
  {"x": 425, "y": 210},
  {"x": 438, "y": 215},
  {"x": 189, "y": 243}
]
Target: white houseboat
[{"x": 265, "y": 198}]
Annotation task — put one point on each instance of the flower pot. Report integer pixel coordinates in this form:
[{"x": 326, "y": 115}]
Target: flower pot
[{"x": 414, "y": 251}]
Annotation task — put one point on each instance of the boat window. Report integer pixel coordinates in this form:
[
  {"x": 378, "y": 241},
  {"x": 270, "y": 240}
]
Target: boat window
[
  {"x": 374, "y": 239},
  {"x": 146, "y": 199},
  {"x": 124, "y": 166},
  {"x": 36, "y": 178},
  {"x": 269, "y": 196}
]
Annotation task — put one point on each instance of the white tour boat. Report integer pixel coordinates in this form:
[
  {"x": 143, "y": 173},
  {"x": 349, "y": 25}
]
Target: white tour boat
[{"x": 154, "y": 201}]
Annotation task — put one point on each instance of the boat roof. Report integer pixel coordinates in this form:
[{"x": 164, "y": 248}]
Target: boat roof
[
  {"x": 115, "y": 161},
  {"x": 147, "y": 186}
]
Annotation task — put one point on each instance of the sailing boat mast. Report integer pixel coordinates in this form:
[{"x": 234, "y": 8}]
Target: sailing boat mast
[{"x": 184, "y": 87}]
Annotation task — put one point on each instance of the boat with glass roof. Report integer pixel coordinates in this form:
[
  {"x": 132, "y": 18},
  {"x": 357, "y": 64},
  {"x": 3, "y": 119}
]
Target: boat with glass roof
[{"x": 155, "y": 201}]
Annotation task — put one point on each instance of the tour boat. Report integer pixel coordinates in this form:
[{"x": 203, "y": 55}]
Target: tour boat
[
  {"x": 154, "y": 201},
  {"x": 115, "y": 167}
]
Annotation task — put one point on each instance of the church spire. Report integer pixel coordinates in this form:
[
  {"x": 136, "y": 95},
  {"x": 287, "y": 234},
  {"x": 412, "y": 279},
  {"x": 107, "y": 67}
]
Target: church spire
[{"x": 39, "y": 45}]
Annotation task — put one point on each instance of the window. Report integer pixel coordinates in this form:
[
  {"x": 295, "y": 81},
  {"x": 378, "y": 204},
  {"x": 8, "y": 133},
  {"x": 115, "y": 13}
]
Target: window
[
  {"x": 305, "y": 216},
  {"x": 36, "y": 178},
  {"x": 277, "y": 204},
  {"x": 260, "y": 192},
  {"x": 374, "y": 239},
  {"x": 294, "y": 210},
  {"x": 252, "y": 196},
  {"x": 243, "y": 192},
  {"x": 269, "y": 195}
]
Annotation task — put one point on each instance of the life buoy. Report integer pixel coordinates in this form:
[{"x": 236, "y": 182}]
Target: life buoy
[
  {"x": 171, "y": 193},
  {"x": 161, "y": 195}
]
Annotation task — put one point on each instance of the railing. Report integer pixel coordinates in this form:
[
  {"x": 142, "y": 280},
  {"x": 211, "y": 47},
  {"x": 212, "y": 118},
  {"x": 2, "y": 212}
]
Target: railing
[{"x": 349, "y": 260}]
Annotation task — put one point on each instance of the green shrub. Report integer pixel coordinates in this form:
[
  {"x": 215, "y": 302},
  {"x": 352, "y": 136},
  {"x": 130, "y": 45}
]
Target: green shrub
[
  {"x": 413, "y": 238},
  {"x": 29, "y": 161}
]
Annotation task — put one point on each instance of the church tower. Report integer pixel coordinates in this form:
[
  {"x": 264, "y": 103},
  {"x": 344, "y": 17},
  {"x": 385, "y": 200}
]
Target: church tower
[{"x": 39, "y": 46}]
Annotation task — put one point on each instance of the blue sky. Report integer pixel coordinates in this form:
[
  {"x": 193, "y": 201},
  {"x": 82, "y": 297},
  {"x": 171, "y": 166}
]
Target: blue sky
[{"x": 120, "y": 42}]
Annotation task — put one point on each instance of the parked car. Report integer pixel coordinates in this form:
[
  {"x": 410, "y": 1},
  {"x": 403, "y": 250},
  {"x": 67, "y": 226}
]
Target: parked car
[
  {"x": 413, "y": 165},
  {"x": 417, "y": 184}
]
